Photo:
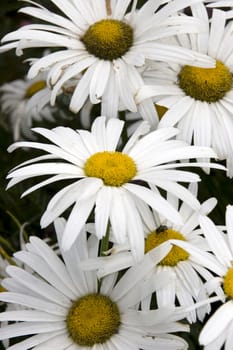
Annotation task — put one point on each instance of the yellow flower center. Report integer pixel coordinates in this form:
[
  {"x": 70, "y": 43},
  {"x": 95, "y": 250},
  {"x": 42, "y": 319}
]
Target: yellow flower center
[
  {"x": 108, "y": 39},
  {"x": 206, "y": 84},
  {"x": 114, "y": 168},
  {"x": 228, "y": 283},
  {"x": 93, "y": 319},
  {"x": 163, "y": 234},
  {"x": 34, "y": 88},
  {"x": 161, "y": 110}
]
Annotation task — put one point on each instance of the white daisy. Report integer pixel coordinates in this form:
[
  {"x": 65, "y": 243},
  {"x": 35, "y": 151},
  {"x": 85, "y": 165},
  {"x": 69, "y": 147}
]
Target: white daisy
[
  {"x": 219, "y": 328},
  {"x": 110, "y": 180},
  {"x": 104, "y": 45},
  {"x": 187, "y": 271},
  {"x": 23, "y": 101},
  {"x": 66, "y": 308},
  {"x": 200, "y": 100}
]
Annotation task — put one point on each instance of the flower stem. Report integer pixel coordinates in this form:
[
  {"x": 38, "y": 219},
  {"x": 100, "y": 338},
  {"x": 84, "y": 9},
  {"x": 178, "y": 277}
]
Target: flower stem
[
  {"x": 108, "y": 6},
  {"x": 18, "y": 224},
  {"x": 5, "y": 256},
  {"x": 124, "y": 132},
  {"x": 105, "y": 241},
  {"x": 7, "y": 244},
  {"x": 103, "y": 248}
]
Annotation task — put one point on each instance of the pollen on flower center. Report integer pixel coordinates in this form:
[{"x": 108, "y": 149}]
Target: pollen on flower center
[
  {"x": 206, "y": 84},
  {"x": 108, "y": 39},
  {"x": 228, "y": 283},
  {"x": 114, "y": 168},
  {"x": 176, "y": 254},
  {"x": 93, "y": 319},
  {"x": 34, "y": 88}
]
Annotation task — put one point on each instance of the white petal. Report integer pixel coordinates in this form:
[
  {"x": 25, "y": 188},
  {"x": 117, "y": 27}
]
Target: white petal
[
  {"x": 216, "y": 241},
  {"x": 120, "y": 9},
  {"x": 113, "y": 131},
  {"x": 62, "y": 200},
  {"x": 135, "y": 231},
  {"x": 102, "y": 211},
  {"x": 69, "y": 10},
  {"x": 43, "y": 269},
  {"x": 142, "y": 129},
  {"x": 229, "y": 224},
  {"x": 36, "y": 285},
  {"x": 29, "y": 316},
  {"x": 180, "y": 192},
  {"x": 110, "y": 98},
  {"x": 81, "y": 91},
  {"x": 46, "y": 182},
  {"x": 26, "y": 328},
  {"x": 216, "y": 32},
  {"x": 49, "y": 60},
  {"x": 49, "y": 17},
  {"x": 71, "y": 72},
  {"x": 34, "y": 303},
  {"x": 137, "y": 272},
  {"x": 118, "y": 217},
  {"x": 52, "y": 260},
  {"x": 33, "y": 341},
  {"x": 173, "y": 115},
  {"x": 166, "y": 296},
  {"x": 59, "y": 342},
  {"x": 156, "y": 201},
  {"x": 76, "y": 221},
  {"x": 124, "y": 87},
  {"x": 217, "y": 323},
  {"x": 199, "y": 257},
  {"x": 99, "y": 81},
  {"x": 45, "y": 169}
]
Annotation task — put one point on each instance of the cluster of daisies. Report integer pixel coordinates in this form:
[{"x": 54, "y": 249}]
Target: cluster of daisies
[{"x": 138, "y": 258}]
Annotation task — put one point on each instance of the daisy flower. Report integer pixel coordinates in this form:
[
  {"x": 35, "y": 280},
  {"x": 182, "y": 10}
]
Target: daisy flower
[
  {"x": 199, "y": 100},
  {"x": 219, "y": 328},
  {"x": 66, "y": 308},
  {"x": 23, "y": 101},
  {"x": 108, "y": 179},
  {"x": 104, "y": 45},
  {"x": 186, "y": 268}
]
